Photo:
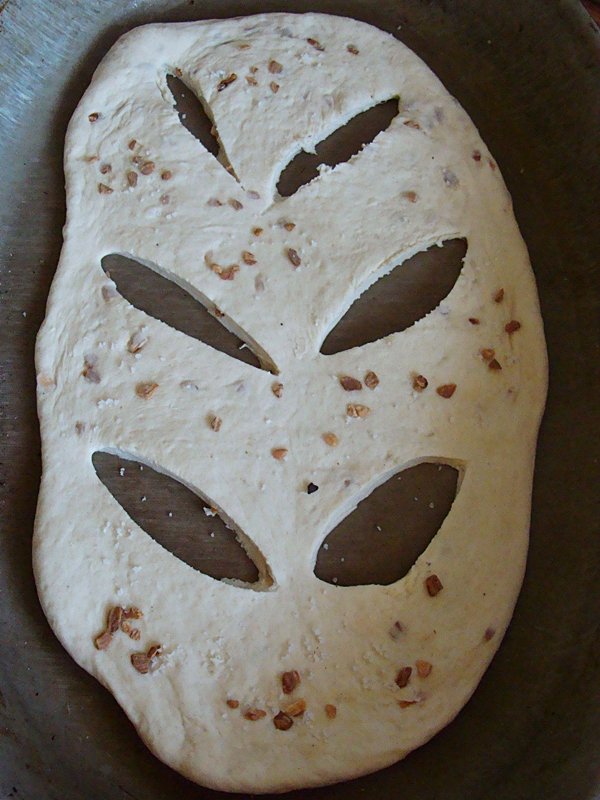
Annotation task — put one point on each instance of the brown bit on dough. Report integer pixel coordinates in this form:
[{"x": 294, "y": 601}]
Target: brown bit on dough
[
  {"x": 499, "y": 296},
  {"x": 489, "y": 634},
  {"x": 132, "y": 613},
  {"x": 166, "y": 175},
  {"x": 275, "y": 67},
  {"x": 251, "y": 80},
  {"x": 316, "y": 44},
  {"x": 104, "y": 189},
  {"x": 254, "y": 70},
  {"x": 410, "y": 196},
  {"x": 214, "y": 202},
  {"x": 352, "y": 48},
  {"x": 89, "y": 159},
  {"x": 244, "y": 46},
  {"x": 216, "y": 423},
  {"x": 248, "y": 257},
  {"x": 277, "y": 389},
  {"x": 165, "y": 199},
  {"x": 178, "y": 72},
  {"x": 257, "y": 231},
  {"x": 141, "y": 662},
  {"x": 357, "y": 411},
  {"x": 424, "y": 669},
  {"x": 296, "y": 709},
  {"x": 406, "y": 703},
  {"x": 403, "y": 677},
  {"x": 294, "y": 257},
  {"x": 146, "y": 389},
  {"x": 512, "y": 326},
  {"x": 492, "y": 164},
  {"x": 147, "y": 168},
  {"x": 89, "y": 372},
  {"x": 331, "y": 439},
  {"x": 235, "y": 203},
  {"x": 154, "y": 651},
  {"x": 330, "y": 711},
  {"x": 290, "y": 681},
  {"x": 138, "y": 160},
  {"x": 282, "y": 721},
  {"x": 94, "y": 117},
  {"x": 102, "y": 641},
  {"x": 350, "y": 384},
  {"x": 447, "y": 390},
  {"x": 254, "y": 713},
  {"x": 433, "y": 585},
  {"x": 132, "y": 144},
  {"x": 473, "y": 320},
  {"x": 229, "y": 273},
  {"x": 495, "y": 365},
  {"x": 476, "y": 155},
  {"x": 137, "y": 342},
  {"x": 233, "y": 703},
  {"x": 115, "y": 616},
  {"x": 487, "y": 353},
  {"x": 410, "y": 123},
  {"x": 274, "y": 87},
  {"x": 420, "y": 383},
  {"x": 289, "y": 226},
  {"x": 105, "y": 169},
  {"x": 226, "y": 81},
  {"x": 279, "y": 453},
  {"x": 218, "y": 312},
  {"x": 132, "y": 178},
  {"x": 134, "y": 633}
]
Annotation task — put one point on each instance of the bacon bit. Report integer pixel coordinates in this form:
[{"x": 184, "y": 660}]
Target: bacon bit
[
  {"x": 132, "y": 179},
  {"x": 132, "y": 613},
  {"x": 147, "y": 168},
  {"x": 424, "y": 669},
  {"x": 235, "y": 203},
  {"x": 114, "y": 619},
  {"x": 216, "y": 423},
  {"x": 396, "y": 631},
  {"x": 495, "y": 365},
  {"x": 290, "y": 681},
  {"x": 353, "y": 410},
  {"x": 229, "y": 273},
  {"x": 289, "y": 226},
  {"x": 352, "y": 48},
  {"x": 331, "y": 439},
  {"x": 105, "y": 169},
  {"x": 476, "y": 155},
  {"x": 410, "y": 123},
  {"x": 275, "y": 67},
  {"x": 218, "y": 312},
  {"x": 137, "y": 342},
  {"x": 178, "y": 72},
  {"x": 257, "y": 231},
  {"x": 447, "y": 390},
  {"x": 214, "y": 202},
  {"x": 487, "y": 353},
  {"x": 492, "y": 164},
  {"x": 226, "y": 81},
  {"x": 433, "y": 585},
  {"x": 294, "y": 257},
  {"x": 350, "y": 384},
  {"x": 277, "y": 389},
  {"x": 102, "y": 641},
  {"x": 420, "y": 383},
  {"x": 94, "y": 117},
  {"x": 248, "y": 257},
  {"x": 296, "y": 709},
  {"x": 330, "y": 711},
  {"x": 146, "y": 389},
  {"x": 316, "y": 44},
  {"x": 141, "y": 662},
  {"x": 251, "y": 80},
  {"x": 233, "y": 703},
  {"x": 89, "y": 372},
  {"x": 274, "y": 87},
  {"x": 279, "y": 453},
  {"x": 407, "y": 703},
  {"x": 473, "y": 320},
  {"x": 165, "y": 199},
  {"x": 410, "y": 196},
  {"x": 254, "y": 713},
  {"x": 282, "y": 721},
  {"x": 499, "y": 296},
  {"x": 166, "y": 175},
  {"x": 403, "y": 677},
  {"x": 512, "y": 326},
  {"x": 104, "y": 189},
  {"x": 489, "y": 634}
]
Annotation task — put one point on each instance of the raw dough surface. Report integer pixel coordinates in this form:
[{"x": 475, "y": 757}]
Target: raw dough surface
[{"x": 353, "y": 224}]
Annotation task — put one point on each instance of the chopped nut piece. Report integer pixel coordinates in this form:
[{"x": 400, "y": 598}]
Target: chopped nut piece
[
  {"x": 312, "y": 488},
  {"x": 125, "y": 626},
  {"x": 244, "y": 46},
  {"x": 447, "y": 390},
  {"x": 476, "y": 155},
  {"x": 499, "y": 296},
  {"x": 226, "y": 81},
  {"x": 275, "y": 67},
  {"x": 277, "y": 389},
  {"x": 294, "y": 257},
  {"x": 290, "y": 681},
  {"x": 102, "y": 641},
  {"x": 137, "y": 342},
  {"x": 495, "y": 365},
  {"x": 410, "y": 123},
  {"x": 424, "y": 669},
  {"x": 214, "y": 202},
  {"x": 512, "y": 326},
  {"x": 216, "y": 423},
  {"x": 229, "y": 273},
  {"x": 489, "y": 634},
  {"x": 433, "y": 585},
  {"x": 105, "y": 169},
  {"x": 146, "y": 389},
  {"x": 274, "y": 87},
  {"x": 135, "y": 634},
  {"x": 282, "y": 721},
  {"x": 248, "y": 257},
  {"x": 420, "y": 383},
  {"x": 279, "y": 453},
  {"x": 233, "y": 703},
  {"x": 371, "y": 380},
  {"x": 104, "y": 189},
  {"x": 89, "y": 371},
  {"x": 165, "y": 199},
  {"x": 254, "y": 713},
  {"x": 235, "y": 203},
  {"x": 89, "y": 159},
  {"x": 114, "y": 619},
  {"x": 352, "y": 48},
  {"x": 316, "y": 44},
  {"x": 218, "y": 312},
  {"x": 132, "y": 144},
  {"x": 297, "y": 708},
  {"x": 178, "y": 72},
  {"x": 406, "y": 703},
  {"x": 487, "y": 353},
  {"x": 353, "y": 410},
  {"x": 138, "y": 160},
  {"x": 257, "y": 231},
  {"x": 132, "y": 178},
  {"x": 403, "y": 677},
  {"x": 141, "y": 662},
  {"x": 147, "y": 167},
  {"x": 350, "y": 384},
  {"x": 331, "y": 439},
  {"x": 473, "y": 320},
  {"x": 94, "y": 117},
  {"x": 251, "y": 80},
  {"x": 410, "y": 196},
  {"x": 492, "y": 164},
  {"x": 166, "y": 175},
  {"x": 330, "y": 711},
  {"x": 253, "y": 70},
  {"x": 289, "y": 226},
  {"x": 80, "y": 428},
  {"x": 132, "y": 613},
  {"x": 154, "y": 651}
]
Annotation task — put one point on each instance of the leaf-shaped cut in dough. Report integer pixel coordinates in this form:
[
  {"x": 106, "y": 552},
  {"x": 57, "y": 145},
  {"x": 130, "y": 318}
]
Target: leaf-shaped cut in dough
[
  {"x": 165, "y": 300},
  {"x": 180, "y": 521},
  {"x": 381, "y": 539},
  {"x": 338, "y": 147},
  {"x": 400, "y": 298}
]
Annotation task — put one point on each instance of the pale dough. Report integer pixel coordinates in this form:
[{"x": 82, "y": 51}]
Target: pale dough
[{"x": 353, "y": 224}]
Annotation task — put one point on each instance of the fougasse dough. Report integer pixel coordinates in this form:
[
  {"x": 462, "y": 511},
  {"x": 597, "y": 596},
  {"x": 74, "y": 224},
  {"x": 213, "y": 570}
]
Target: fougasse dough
[{"x": 426, "y": 179}]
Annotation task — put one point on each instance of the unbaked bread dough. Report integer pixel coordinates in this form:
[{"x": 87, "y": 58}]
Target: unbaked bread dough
[{"x": 187, "y": 215}]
